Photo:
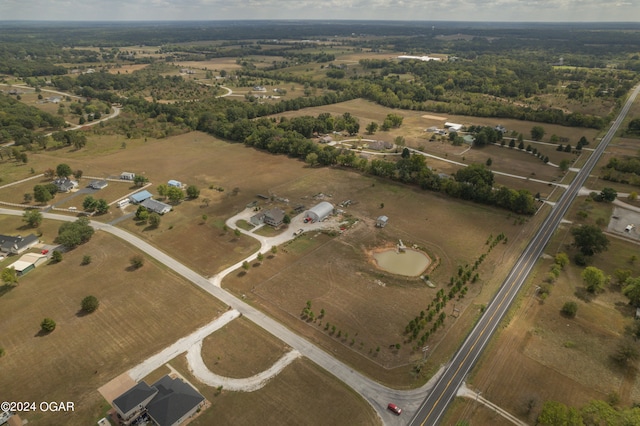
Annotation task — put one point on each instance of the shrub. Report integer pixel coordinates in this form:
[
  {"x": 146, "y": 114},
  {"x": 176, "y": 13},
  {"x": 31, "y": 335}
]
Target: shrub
[
  {"x": 90, "y": 304},
  {"x": 48, "y": 325},
  {"x": 86, "y": 259},
  {"x": 137, "y": 261},
  {"x": 569, "y": 309}
]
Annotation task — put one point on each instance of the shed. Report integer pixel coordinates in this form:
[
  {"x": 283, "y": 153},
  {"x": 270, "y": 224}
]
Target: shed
[
  {"x": 175, "y": 183},
  {"x": 320, "y": 211},
  {"x": 455, "y": 127},
  {"x": 139, "y": 197},
  {"x": 382, "y": 221},
  {"x": 127, "y": 176},
  {"x": 156, "y": 206},
  {"x": 98, "y": 184}
]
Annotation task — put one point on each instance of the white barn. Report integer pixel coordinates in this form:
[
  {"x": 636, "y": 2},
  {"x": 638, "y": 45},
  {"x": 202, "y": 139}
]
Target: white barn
[{"x": 319, "y": 212}]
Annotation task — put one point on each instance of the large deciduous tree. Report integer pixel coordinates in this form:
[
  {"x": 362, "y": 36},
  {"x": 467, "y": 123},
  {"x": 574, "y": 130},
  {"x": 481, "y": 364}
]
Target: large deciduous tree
[
  {"x": 32, "y": 217},
  {"x": 175, "y": 195},
  {"x": 72, "y": 234},
  {"x": 193, "y": 192},
  {"x": 537, "y": 133},
  {"x": 41, "y": 194},
  {"x": 63, "y": 170},
  {"x": 632, "y": 290},
  {"x": 589, "y": 239},
  {"x": 594, "y": 279}
]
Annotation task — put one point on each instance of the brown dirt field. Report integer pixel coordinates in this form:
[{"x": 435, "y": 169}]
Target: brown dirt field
[
  {"x": 335, "y": 273},
  {"x": 86, "y": 351},
  {"x": 302, "y": 393},
  {"x": 241, "y": 349}
]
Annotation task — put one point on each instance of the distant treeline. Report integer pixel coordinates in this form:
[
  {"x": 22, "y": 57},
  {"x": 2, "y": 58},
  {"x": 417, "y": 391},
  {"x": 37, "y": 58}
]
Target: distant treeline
[{"x": 20, "y": 122}]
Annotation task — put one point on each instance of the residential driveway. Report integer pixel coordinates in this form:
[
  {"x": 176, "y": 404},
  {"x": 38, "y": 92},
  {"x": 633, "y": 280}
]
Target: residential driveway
[{"x": 373, "y": 392}]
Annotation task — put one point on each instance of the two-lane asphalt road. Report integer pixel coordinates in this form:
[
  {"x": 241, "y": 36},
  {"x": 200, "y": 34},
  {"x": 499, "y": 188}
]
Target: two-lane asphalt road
[{"x": 434, "y": 406}]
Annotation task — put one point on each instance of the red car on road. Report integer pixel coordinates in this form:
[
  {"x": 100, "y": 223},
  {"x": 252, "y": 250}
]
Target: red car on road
[
  {"x": 396, "y": 410},
  {"x": 45, "y": 251}
]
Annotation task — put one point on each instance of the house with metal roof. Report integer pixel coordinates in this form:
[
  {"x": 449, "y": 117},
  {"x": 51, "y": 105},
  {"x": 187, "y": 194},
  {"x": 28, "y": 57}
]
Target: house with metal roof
[
  {"x": 139, "y": 197},
  {"x": 382, "y": 221},
  {"x": 17, "y": 245},
  {"x": 156, "y": 206},
  {"x": 319, "y": 212},
  {"x": 175, "y": 183}
]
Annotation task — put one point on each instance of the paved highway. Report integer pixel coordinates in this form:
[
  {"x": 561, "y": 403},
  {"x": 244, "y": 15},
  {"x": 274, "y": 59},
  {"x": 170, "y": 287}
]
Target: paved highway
[{"x": 436, "y": 403}]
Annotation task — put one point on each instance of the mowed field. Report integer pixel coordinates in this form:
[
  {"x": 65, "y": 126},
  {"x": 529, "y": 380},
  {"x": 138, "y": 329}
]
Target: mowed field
[
  {"x": 337, "y": 273},
  {"x": 302, "y": 394},
  {"x": 541, "y": 355},
  {"x": 140, "y": 313},
  {"x": 369, "y": 307}
]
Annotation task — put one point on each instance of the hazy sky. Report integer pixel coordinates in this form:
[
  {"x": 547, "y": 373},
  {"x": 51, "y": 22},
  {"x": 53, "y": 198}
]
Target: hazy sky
[{"x": 446, "y": 10}]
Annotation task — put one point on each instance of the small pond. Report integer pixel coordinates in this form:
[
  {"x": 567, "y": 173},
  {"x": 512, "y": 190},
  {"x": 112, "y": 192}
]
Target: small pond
[{"x": 410, "y": 263}]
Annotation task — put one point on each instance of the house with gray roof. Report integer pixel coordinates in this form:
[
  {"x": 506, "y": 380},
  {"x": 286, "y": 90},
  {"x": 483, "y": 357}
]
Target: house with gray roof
[
  {"x": 174, "y": 403},
  {"x": 17, "y": 245},
  {"x": 132, "y": 403},
  {"x": 98, "y": 184},
  {"x": 156, "y": 206},
  {"x": 168, "y": 402},
  {"x": 64, "y": 184},
  {"x": 273, "y": 217}
]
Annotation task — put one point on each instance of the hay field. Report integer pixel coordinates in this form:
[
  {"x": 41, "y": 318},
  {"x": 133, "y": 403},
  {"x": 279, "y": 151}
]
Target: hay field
[{"x": 140, "y": 313}]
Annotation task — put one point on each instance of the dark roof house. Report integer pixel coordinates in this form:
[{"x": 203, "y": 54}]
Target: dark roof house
[
  {"x": 133, "y": 401},
  {"x": 175, "y": 402},
  {"x": 64, "y": 184},
  {"x": 16, "y": 245},
  {"x": 169, "y": 402}
]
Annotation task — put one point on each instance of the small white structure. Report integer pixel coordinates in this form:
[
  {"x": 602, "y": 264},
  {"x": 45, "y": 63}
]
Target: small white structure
[
  {"x": 419, "y": 58},
  {"x": 453, "y": 127},
  {"x": 124, "y": 202},
  {"x": 382, "y": 221},
  {"x": 319, "y": 212},
  {"x": 629, "y": 228},
  {"x": 175, "y": 183},
  {"x": 127, "y": 176}
]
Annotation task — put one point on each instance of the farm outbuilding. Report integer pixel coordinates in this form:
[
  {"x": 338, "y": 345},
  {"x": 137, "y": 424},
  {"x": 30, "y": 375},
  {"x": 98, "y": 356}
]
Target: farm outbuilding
[
  {"x": 382, "y": 221},
  {"x": 320, "y": 211},
  {"x": 127, "y": 176},
  {"x": 175, "y": 183},
  {"x": 139, "y": 197},
  {"x": 28, "y": 262}
]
